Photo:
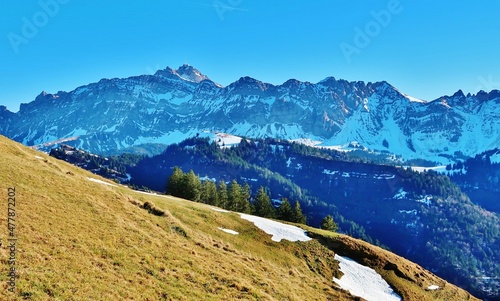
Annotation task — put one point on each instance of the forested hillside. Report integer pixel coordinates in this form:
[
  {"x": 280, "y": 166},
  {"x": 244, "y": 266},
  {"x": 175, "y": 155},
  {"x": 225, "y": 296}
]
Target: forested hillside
[{"x": 423, "y": 216}]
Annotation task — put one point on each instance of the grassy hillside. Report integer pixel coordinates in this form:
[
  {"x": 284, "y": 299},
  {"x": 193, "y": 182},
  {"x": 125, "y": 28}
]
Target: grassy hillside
[{"x": 83, "y": 240}]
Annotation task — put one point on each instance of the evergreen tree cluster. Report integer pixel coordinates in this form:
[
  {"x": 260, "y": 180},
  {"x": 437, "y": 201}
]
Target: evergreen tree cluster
[
  {"x": 234, "y": 197},
  {"x": 328, "y": 224}
]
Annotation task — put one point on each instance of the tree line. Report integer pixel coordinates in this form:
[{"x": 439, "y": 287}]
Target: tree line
[{"x": 232, "y": 196}]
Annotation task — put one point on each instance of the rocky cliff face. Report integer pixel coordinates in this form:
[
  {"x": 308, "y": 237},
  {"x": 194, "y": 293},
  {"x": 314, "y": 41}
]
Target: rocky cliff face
[{"x": 172, "y": 105}]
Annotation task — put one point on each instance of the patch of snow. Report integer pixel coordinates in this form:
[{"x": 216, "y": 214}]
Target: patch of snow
[
  {"x": 289, "y": 161},
  {"x": 400, "y": 195},
  {"x": 229, "y": 231},
  {"x": 276, "y": 201},
  {"x": 228, "y": 140},
  {"x": 78, "y": 132},
  {"x": 206, "y": 178},
  {"x": 307, "y": 141},
  {"x": 289, "y": 131},
  {"x": 100, "y": 182},
  {"x": 495, "y": 158},
  {"x": 219, "y": 210},
  {"x": 414, "y": 211},
  {"x": 340, "y": 148},
  {"x": 170, "y": 137},
  {"x": 363, "y": 281},
  {"x": 439, "y": 169},
  {"x": 80, "y": 90},
  {"x": 223, "y": 140},
  {"x": 433, "y": 287},
  {"x": 278, "y": 230},
  {"x": 384, "y": 177},
  {"x": 424, "y": 200},
  {"x": 152, "y": 193},
  {"x": 413, "y": 99},
  {"x": 423, "y": 168},
  {"x": 329, "y": 172},
  {"x": 38, "y": 157}
]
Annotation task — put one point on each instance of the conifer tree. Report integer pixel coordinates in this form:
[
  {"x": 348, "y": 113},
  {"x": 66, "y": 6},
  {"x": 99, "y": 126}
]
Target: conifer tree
[
  {"x": 191, "y": 187},
  {"x": 284, "y": 211},
  {"x": 174, "y": 182},
  {"x": 209, "y": 193},
  {"x": 328, "y": 223},
  {"x": 234, "y": 196},
  {"x": 222, "y": 195},
  {"x": 263, "y": 205},
  {"x": 246, "y": 192},
  {"x": 297, "y": 215}
]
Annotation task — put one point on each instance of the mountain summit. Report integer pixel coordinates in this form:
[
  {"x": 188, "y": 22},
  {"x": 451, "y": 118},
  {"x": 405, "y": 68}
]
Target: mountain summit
[
  {"x": 172, "y": 105},
  {"x": 190, "y": 73}
]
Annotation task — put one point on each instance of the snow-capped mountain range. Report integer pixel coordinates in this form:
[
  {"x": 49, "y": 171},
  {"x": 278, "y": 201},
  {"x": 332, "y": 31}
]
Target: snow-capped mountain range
[{"x": 172, "y": 105}]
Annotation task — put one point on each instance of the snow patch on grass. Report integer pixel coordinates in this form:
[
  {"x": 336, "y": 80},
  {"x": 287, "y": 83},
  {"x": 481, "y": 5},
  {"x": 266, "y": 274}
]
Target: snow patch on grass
[
  {"x": 228, "y": 231},
  {"x": 278, "y": 230},
  {"x": 433, "y": 287},
  {"x": 220, "y": 210},
  {"x": 152, "y": 193},
  {"x": 100, "y": 182},
  {"x": 363, "y": 281}
]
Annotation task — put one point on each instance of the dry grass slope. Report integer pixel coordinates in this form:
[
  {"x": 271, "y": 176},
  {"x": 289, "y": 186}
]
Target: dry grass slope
[{"x": 82, "y": 240}]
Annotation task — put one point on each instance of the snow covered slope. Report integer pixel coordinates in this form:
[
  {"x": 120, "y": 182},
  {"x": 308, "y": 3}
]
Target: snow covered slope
[
  {"x": 359, "y": 280},
  {"x": 363, "y": 281}
]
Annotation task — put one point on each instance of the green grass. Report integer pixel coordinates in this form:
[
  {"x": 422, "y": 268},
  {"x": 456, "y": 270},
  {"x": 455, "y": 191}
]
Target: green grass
[{"x": 80, "y": 240}]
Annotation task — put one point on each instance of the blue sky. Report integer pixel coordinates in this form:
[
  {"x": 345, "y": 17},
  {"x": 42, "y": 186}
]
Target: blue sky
[{"x": 424, "y": 48}]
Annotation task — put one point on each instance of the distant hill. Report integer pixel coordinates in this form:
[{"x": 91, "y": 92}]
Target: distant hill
[{"x": 81, "y": 237}]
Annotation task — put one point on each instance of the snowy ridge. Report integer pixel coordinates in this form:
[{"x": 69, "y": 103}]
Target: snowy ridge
[{"x": 173, "y": 105}]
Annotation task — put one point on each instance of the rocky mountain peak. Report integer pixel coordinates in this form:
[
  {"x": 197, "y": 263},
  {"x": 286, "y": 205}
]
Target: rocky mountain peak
[
  {"x": 44, "y": 96},
  {"x": 113, "y": 114},
  {"x": 190, "y": 73}
]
